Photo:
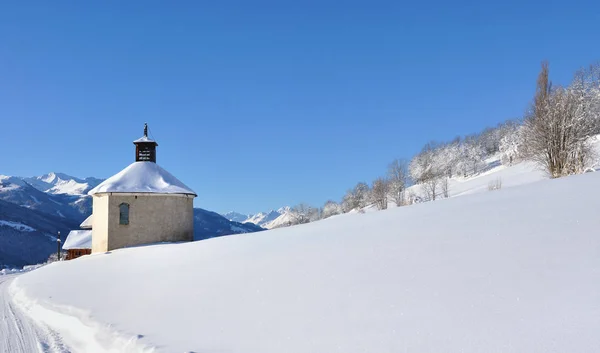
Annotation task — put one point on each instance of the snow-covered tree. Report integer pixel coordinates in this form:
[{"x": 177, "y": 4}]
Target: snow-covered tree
[
  {"x": 300, "y": 214},
  {"x": 560, "y": 123},
  {"x": 379, "y": 193},
  {"x": 398, "y": 179},
  {"x": 425, "y": 165},
  {"x": 356, "y": 198},
  {"x": 331, "y": 208},
  {"x": 511, "y": 146},
  {"x": 362, "y": 194},
  {"x": 348, "y": 202},
  {"x": 473, "y": 154}
]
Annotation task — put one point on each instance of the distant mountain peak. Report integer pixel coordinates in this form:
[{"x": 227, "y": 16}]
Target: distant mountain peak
[
  {"x": 284, "y": 209},
  {"x": 235, "y": 216},
  {"x": 61, "y": 183},
  {"x": 261, "y": 219}
]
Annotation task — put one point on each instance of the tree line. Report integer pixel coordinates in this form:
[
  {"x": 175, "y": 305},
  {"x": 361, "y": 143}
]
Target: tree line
[{"x": 554, "y": 133}]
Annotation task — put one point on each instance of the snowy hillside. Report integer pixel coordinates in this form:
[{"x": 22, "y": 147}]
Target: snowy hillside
[
  {"x": 495, "y": 173},
  {"x": 511, "y": 270}
]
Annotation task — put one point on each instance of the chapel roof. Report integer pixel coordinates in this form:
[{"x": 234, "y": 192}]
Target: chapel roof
[{"x": 143, "y": 177}]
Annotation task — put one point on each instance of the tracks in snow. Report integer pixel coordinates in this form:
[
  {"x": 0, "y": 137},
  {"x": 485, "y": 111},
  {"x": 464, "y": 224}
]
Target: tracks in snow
[{"x": 18, "y": 333}]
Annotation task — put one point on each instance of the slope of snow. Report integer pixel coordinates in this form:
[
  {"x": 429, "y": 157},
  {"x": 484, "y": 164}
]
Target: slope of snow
[
  {"x": 16, "y": 225},
  {"x": 143, "y": 177},
  {"x": 285, "y": 219},
  {"x": 513, "y": 270},
  {"x": 521, "y": 173},
  {"x": 70, "y": 187},
  {"x": 518, "y": 174}
]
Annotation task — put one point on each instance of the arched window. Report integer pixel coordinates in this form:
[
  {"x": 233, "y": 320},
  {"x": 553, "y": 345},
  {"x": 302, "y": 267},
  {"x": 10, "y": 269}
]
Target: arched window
[{"x": 124, "y": 213}]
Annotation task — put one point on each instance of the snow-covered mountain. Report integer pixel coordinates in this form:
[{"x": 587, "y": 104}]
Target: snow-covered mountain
[
  {"x": 285, "y": 219},
  {"x": 62, "y": 184},
  {"x": 262, "y": 219},
  {"x": 265, "y": 220},
  {"x": 235, "y": 216},
  {"x": 20, "y": 192}
]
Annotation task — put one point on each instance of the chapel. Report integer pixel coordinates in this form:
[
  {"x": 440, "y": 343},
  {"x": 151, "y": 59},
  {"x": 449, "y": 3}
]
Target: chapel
[{"x": 142, "y": 204}]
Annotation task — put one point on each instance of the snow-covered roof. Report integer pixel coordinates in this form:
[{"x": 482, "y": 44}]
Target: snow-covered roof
[
  {"x": 144, "y": 139},
  {"x": 78, "y": 239},
  {"x": 143, "y": 177},
  {"x": 87, "y": 224}
]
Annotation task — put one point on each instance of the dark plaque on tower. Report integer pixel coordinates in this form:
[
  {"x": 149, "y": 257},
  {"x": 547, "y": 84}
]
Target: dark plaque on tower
[{"x": 145, "y": 148}]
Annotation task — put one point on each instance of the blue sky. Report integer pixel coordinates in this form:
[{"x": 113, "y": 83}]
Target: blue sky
[{"x": 257, "y": 104}]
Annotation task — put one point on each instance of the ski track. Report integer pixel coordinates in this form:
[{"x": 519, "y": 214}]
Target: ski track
[{"x": 18, "y": 333}]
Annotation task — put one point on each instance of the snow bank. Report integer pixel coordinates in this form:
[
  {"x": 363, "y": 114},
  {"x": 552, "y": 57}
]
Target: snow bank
[
  {"x": 514, "y": 270},
  {"x": 144, "y": 177},
  {"x": 9, "y": 271},
  {"x": 76, "y": 330}
]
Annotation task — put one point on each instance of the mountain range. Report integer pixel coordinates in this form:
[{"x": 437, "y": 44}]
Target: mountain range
[
  {"x": 34, "y": 209},
  {"x": 267, "y": 220}
]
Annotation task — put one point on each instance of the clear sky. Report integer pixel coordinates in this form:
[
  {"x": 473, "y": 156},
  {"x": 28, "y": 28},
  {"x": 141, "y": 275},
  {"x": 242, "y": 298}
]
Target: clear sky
[{"x": 257, "y": 105}]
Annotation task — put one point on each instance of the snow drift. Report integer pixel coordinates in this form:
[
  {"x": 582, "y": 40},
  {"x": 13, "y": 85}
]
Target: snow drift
[{"x": 512, "y": 270}]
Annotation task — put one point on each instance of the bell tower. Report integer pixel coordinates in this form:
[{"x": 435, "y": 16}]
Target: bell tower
[{"x": 145, "y": 148}]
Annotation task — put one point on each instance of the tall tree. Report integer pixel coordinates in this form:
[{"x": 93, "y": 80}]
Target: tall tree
[
  {"x": 379, "y": 193},
  {"x": 559, "y": 124},
  {"x": 398, "y": 179}
]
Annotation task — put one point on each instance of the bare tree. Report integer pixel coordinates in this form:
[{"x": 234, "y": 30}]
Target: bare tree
[
  {"x": 361, "y": 192},
  {"x": 559, "y": 124},
  {"x": 315, "y": 214},
  {"x": 379, "y": 193},
  {"x": 444, "y": 186},
  {"x": 430, "y": 186},
  {"x": 398, "y": 178},
  {"x": 495, "y": 184}
]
